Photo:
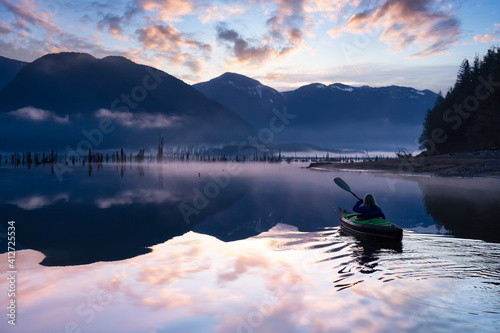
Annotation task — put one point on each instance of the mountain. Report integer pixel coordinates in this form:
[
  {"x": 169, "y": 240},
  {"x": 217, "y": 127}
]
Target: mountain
[
  {"x": 8, "y": 69},
  {"x": 320, "y": 104},
  {"x": 58, "y": 96},
  {"x": 250, "y": 99},
  {"x": 336, "y": 115}
]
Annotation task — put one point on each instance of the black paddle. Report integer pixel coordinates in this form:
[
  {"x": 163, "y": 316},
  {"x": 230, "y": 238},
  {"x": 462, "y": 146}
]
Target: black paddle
[{"x": 343, "y": 185}]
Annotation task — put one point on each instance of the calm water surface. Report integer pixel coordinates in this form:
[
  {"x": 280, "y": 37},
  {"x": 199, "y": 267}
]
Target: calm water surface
[{"x": 247, "y": 248}]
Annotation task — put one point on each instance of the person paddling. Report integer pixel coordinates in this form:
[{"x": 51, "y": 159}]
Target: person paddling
[{"x": 369, "y": 209}]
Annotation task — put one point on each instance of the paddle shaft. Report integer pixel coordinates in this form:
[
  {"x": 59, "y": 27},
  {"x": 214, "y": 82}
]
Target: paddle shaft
[{"x": 355, "y": 195}]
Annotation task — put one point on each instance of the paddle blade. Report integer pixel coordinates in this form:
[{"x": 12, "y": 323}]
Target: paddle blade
[{"x": 342, "y": 184}]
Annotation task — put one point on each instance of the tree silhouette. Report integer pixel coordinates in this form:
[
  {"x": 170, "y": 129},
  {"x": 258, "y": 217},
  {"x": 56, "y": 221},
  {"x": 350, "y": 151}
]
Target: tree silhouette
[{"x": 468, "y": 118}]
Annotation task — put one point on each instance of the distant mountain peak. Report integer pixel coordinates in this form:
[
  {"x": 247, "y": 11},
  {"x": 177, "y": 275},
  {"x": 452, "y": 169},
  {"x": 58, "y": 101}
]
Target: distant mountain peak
[
  {"x": 237, "y": 80},
  {"x": 248, "y": 97}
]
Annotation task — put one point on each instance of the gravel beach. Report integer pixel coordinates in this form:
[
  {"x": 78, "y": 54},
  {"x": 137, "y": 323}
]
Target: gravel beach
[{"x": 484, "y": 163}]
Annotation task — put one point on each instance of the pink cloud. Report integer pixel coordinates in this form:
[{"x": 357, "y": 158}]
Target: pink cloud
[
  {"x": 4, "y": 30},
  {"x": 485, "y": 38},
  {"x": 405, "y": 24},
  {"x": 218, "y": 13},
  {"x": 28, "y": 12},
  {"x": 175, "y": 46},
  {"x": 168, "y": 10}
]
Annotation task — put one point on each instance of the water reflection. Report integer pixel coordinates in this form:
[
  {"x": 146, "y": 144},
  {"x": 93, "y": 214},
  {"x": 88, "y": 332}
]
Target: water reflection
[
  {"x": 280, "y": 281},
  {"x": 468, "y": 208},
  {"x": 121, "y": 212}
]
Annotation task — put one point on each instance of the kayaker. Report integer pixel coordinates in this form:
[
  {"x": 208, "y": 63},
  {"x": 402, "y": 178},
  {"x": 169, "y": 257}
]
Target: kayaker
[{"x": 369, "y": 209}]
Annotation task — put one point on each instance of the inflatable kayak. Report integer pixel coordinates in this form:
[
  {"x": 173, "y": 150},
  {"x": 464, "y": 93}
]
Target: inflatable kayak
[{"x": 376, "y": 228}]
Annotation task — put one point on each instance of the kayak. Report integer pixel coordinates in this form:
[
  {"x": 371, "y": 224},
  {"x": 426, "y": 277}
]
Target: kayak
[{"x": 376, "y": 229}]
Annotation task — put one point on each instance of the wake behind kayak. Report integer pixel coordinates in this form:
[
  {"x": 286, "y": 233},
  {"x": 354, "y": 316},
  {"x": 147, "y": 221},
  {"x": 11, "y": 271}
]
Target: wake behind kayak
[{"x": 376, "y": 229}]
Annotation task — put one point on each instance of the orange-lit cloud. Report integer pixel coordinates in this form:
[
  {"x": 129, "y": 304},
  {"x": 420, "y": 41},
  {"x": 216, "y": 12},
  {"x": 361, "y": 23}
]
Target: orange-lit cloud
[
  {"x": 218, "y": 13},
  {"x": 276, "y": 76},
  {"x": 168, "y": 10},
  {"x": 160, "y": 37},
  {"x": 485, "y": 38},
  {"x": 332, "y": 10},
  {"x": 174, "y": 46},
  {"x": 405, "y": 24}
]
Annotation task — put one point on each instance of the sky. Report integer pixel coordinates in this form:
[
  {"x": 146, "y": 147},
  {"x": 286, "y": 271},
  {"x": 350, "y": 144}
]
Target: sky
[{"x": 282, "y": 43}]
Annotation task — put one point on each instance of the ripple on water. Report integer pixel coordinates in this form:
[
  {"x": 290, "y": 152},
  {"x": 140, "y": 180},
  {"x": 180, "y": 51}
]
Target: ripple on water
[{"x": 465, "y": 273}]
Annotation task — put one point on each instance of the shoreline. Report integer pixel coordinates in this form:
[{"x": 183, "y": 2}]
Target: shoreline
[{"x": 476, "y": 164}]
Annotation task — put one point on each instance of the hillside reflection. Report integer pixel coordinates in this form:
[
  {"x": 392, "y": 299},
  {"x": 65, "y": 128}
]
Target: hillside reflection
[
  {"x": 119, "y": 213},
  {"x": 466, "y": 208}
]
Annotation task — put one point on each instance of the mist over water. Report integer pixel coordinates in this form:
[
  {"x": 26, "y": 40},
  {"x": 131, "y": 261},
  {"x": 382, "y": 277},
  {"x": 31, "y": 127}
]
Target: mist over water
[{"x": 248, "y": 247}]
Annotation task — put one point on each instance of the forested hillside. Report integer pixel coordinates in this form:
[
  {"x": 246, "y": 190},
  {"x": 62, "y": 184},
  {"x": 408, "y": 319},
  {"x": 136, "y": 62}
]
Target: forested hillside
[{"x": 468, "y": 117}]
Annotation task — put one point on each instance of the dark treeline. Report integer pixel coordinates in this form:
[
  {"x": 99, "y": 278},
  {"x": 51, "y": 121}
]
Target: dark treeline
[{"x": 468, "y": 117}]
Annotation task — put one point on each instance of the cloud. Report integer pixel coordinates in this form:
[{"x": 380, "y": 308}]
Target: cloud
[
  {"x": 497, "y": 26},
  {"x": 142, "y": 120},
  {"x": 138, "y": 196},
  {"x": 405, "y": 24},
  {"x": 168, "y": 10},
  {"x": 286, "y": 26},
  {"x": 36, "y": 115},
  {"x": 176, "y": 47},
  {"x": 166, "y": 299},
  {"x": 39, "y": 201},
  {"x": 28, "y": 13},
  {"x": 4, "y": 30},
  {"x": 161, "y": 37},
  {"x": 240, "y": 47},
  {"x": 167, "y": 38},
  {"x": 333, "y": 10},
  {"x": 35, "y": 32},
  {"x": 112, "y": 23},
  {"x": 218, "y": 13},
  {"x": 485, "y": 39},
  {"x": 276, "y": 76}
]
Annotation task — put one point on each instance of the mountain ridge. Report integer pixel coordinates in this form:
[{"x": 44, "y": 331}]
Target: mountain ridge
[
  {"x": 328, "y": 113},
  {"x": 71, "y": 92},
  {"x": 9, "y": 69}
]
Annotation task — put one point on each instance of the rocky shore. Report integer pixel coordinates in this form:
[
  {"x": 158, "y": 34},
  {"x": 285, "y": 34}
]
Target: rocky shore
[{"x": 484, "y": 163}]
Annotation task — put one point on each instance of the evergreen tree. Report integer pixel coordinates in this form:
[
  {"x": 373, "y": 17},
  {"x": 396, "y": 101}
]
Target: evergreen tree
[{"x": 468, "y": 117}]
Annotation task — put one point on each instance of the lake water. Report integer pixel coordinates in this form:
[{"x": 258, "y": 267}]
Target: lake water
[{"x": 226, "y": 247}]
